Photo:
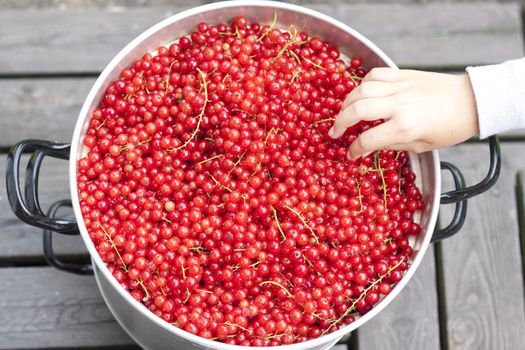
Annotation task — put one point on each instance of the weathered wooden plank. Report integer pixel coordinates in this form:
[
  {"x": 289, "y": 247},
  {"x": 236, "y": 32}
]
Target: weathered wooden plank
[
  {"x": 40, "y": 108},
  {"x": 61, "y": 4},
  {"x": 45, "y": 308},
  {"x": 411, "y": 320},
  {"x": 134, "y": 3},
  {"x": 440, "y": 35},
  {"x": 483, "y": 281},
  {"x": 513, "y": 135},
  {"x": 428, "y": 35},
  {"x": 70, "y": 40},
  {"x": 340, "y": 347},
  {"x": 23, "y": 242}
]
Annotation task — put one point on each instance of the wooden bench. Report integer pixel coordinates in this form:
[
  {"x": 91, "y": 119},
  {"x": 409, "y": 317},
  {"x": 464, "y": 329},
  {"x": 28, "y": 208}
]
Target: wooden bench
[{"x": 467, "y": 294}]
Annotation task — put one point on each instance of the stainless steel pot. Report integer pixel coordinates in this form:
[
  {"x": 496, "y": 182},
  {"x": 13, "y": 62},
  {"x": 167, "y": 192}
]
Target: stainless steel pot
[{"x": 148, "y": 330}]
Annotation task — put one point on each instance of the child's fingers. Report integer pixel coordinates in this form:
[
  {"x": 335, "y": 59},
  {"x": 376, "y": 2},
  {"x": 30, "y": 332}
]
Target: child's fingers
[
  {"x": 366, "y": 109},
  {"x": 383, "y": 74},
  {"x": 378, "y": 137},
  {"x": 398, "y": 147},
  {"x": 369, "y": 90}
]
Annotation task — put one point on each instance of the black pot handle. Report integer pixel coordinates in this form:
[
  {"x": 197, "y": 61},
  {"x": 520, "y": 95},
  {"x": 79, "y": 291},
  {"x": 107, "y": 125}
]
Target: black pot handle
[
  {"x": 490, "y": 179},
  {"x": 27, "y": 206},
  {"x": 460, "y": 212},
  {"x": 462, "y": 193},
  {"x": 79, "y": 269}
]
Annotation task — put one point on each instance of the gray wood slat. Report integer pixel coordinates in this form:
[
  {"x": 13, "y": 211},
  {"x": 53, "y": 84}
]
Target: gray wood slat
[
  {"x": 40, "y": 108},
  {"x": 23, "y": 242},
  {"x": 410, "y": 322},
  {"x": 15, "y": 4},
  {"x": 439, "y": 35},
  {"x": 62, "y": 4},
  {"x": 340, "y": 347},
  {"x": 45, "y": 308},
  {"x": 517, "y": 134},
  {"x": 426, "y": 35},
  {"x": 483, "y": 281}
]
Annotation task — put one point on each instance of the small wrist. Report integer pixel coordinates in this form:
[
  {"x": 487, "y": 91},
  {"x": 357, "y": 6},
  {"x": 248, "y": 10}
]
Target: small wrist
[{"x": 470, "y": 105}]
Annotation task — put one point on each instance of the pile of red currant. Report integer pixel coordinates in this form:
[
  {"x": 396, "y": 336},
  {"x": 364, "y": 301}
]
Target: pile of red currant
[{"x": 215, "y": 196}]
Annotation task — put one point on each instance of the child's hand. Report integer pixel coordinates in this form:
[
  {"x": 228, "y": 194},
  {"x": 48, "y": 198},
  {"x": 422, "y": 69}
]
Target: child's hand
[{"x": 422, "y": 111}]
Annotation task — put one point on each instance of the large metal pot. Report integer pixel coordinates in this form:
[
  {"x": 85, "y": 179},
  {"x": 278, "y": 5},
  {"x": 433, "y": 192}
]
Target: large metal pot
[{"x": 148, "y": 330}]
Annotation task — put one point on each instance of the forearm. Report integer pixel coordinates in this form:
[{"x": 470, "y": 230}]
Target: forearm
[{"x": 500, "y": 96}]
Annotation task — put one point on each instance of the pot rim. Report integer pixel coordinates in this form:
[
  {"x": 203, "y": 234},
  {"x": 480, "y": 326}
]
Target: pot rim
[{"x": 75, "y": 144}]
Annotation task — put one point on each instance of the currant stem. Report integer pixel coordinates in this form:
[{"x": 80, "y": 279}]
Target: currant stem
[
  {"x": 188, "y": 294},
  {"x": 294, "y": 55},
  {"x": 205, "y": 86},
  {"x": 204, "y": 291},
  {"x": 293, "y": 31},
  {"x": 239, "y": 326},
  {"x": 359, "y": 195},
  {"x": 211, "y": 158},
  {"x": 278, "y": 285},
  {"x": 141, "y": 283},
  {"x": 377, "y": 161},
  {"x": 313, "y": 63},
  {"x": 269, "y": 29},
  {"x": 307, "y": 260},
  {"x": 355, "y": 79},
  {"x": 274, "y": 335},
  {"x": 269, "y": 133},
  {"x": 124, "y": 266},
  {"x": 101, "y": 124},
  {"x": 296, "y": 73},
  {"x": 236, "y": 163},
  {"x": 277, "y": 222},
  {"x": 220, "y": 185},
  {"x": 361, "y": 296},
  {"x": 324, "y": 120},
  {"x": 168, "y": 76},
  {"x": 287, "y": 280},
  {"x": 199, "y": 249},
  {"x": 397, "y": 154},
  {"x": 304, "y": 222}
]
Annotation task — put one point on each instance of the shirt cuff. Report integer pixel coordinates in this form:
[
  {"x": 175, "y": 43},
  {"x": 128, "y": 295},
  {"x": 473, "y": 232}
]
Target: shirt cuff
[{"x": 500, "y": 96}]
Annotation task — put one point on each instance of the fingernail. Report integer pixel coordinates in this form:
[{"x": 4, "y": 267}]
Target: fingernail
[
  {"x": 331, "y": 132},
  {"x": 349, "y": 156}
]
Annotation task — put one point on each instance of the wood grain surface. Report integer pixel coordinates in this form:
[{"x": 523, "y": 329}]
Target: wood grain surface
[
  {"x": 40, "y": 108},
  {"x": 47, "y": 40},
  {"x": 46, "y": 308},
  {"x": 483, "y": 277},
  {"x": 50, "y": 54}
]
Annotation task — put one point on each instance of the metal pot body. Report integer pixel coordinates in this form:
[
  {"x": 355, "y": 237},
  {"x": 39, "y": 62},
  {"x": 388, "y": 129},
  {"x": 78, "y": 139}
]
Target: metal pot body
[
  {"x": 147, "y": 329},
  {"x": 142, "y": 325}
]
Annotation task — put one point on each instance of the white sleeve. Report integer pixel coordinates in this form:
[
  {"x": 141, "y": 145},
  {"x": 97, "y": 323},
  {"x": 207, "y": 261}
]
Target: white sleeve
[{"x": 500, "y": 96}]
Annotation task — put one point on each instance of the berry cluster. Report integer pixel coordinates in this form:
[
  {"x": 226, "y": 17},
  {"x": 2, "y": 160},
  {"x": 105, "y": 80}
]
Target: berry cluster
[{"x": 214, "y": 195}]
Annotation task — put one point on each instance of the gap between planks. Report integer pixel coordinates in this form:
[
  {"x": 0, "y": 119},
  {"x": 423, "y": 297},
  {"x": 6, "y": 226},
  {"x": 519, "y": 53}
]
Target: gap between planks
[{"x": 520, "y": 204}]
